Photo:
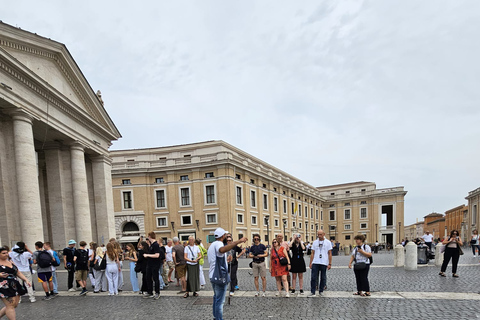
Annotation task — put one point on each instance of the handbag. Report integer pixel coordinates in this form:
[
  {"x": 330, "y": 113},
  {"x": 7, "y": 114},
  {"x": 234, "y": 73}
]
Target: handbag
[
  {"x": 473, "y": 242},
  {"x": 283, "y": 260},
  {"x": 358, "y": 265},
  {"x": 220, "y": 272},
  {"x": 460, "y": 251}
]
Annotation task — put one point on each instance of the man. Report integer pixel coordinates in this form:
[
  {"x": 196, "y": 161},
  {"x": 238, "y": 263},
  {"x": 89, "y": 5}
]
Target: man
[
  {"x": 21, "y": 256},
  {"x": 285, "y": 246},
  {"x": 44, "y": 261},
  {"x": 68, "y": 254},
  {"x": 258, "y": 252},
  {"x": 376, "y": 246},
  {"x": 320, "y": 261},
  {"x": 54, "y": 254},
  {"x": 81, "y": 260},
  {"x": 169, "y": 258},
  {"x": 428, "y": 239},
  {"x": 217, "y": 249},
  {"x": 178, "y": 255},
  {"x": 154, "y": 257},
  {"x": 232, "y": 260}
]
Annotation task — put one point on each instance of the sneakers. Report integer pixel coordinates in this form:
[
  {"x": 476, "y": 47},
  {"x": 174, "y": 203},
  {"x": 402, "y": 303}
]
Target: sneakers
[
  {"x": 312, "y": 295},
  {"x": 237, "y": 288},
  {"x": 232, "y": 294},
  {"x": 55, "y": 294},
  {"x": 301, "y": 292},
  {"x": 156, "y": 296},
  {"x": 277, "y": 294},
  {"x": 257, "y": 294},
  {"x": 202, "y": 287},
  {"x": 148, "y": 296},
  {"x": 84, "y": 292},
  {"x": 71, "y": 290},
  {"x": 263, "y": 294},
  {"x": 32, "y": 300},
  {"x": 293, "y": 290},
  {"x": 287, "y": 295},
  {"x": 46, "y": 298}
]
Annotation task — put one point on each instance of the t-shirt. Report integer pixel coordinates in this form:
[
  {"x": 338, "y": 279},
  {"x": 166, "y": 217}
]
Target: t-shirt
[
  {"x": 233, "y": 253},
  {"x": 360, "y": 257},
  {"x": 82, "y": 259},
  {"x": 153, "y": 249},
  {"x": 39, "y": 269},
  {"x": 258, "y": 250},
  {"x": 427, "y": 238},
  {"x": 168, "y": 253},
  {"x": 212, "y": 254},
  {"x": 53, "y": 267},
  {"x": 21, "y": 260},
  {"x": 320, "y": 251},
  {"x": 162, "y": 254},
  {"x": 179, "y": 251},
  {"x": 192, "y": 253},
  {"x": 69, "y": 253}
]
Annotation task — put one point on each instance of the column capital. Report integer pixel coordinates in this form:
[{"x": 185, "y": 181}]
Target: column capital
[
  {"x": 21, "y": 115},
  {"x": 102, "y": 158},
  {"x": 52, "y": 145},
  {"x": 77, "y": 146}
]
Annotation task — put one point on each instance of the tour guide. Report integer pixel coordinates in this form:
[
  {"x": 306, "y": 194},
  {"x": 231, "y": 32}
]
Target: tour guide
[{"x": 218, "y": 249}]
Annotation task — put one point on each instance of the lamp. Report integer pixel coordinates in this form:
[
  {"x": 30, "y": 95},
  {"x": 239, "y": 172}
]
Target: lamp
[{"x": 198, "y": 224}]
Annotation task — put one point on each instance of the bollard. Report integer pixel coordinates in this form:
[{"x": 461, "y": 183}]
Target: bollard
[
  {"x": 398, "y": 256},
  {"x": 438, "y": 255},
  {"x": 346, "y": 250},
  {"x": 411, "y": 256}
]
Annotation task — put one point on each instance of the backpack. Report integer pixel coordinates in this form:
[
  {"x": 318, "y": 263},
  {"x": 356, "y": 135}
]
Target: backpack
[
  {"x": 102, "y": 265},
  {"x": 83, "y": 261},
  {"x": 44, "y": 259},
  {"x": 56, "y": 263}
]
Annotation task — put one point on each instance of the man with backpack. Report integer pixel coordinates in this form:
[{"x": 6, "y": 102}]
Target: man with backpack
[
  {"x": 44, "y": 260},
  {"x": 55, "y": 264},
  {"x": 81, "y": 259},
  {"x": 68, "y": 254}
]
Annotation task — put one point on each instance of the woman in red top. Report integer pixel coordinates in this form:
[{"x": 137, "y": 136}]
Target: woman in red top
[{"x": 277, "y": 270}]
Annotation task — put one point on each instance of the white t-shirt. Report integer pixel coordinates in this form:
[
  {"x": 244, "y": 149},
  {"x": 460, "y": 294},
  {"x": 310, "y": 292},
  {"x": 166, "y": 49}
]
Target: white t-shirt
[
  {"x": 427, "y": 238},
  {"x": 321, "y": 248},
  {"x": 212, "y": 254},
  {"x": 21, "y": 260},
  {"x": 193, "y": 252},
  {"x": 168, "y": 253},
  {"x": 360, "y": 257}
]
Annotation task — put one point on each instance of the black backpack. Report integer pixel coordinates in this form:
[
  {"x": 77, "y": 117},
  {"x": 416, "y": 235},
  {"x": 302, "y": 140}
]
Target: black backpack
[
  {"x": 44, "y": 259},
  {"x": 83, "y": 261}
]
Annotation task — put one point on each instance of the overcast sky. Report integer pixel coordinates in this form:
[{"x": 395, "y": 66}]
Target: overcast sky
[{"x": 330, "y": 92}]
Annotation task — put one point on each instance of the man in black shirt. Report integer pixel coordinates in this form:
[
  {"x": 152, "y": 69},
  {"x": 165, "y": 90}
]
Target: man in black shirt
[{"x": 154, "y": 258}]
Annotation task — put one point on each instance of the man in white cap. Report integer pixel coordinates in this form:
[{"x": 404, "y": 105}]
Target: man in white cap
[
  {"x": 218, "y": 249},
  {"x": 69, "y": 264}
]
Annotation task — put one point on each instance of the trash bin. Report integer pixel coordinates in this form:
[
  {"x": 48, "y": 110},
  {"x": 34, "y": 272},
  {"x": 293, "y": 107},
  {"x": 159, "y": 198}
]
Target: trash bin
[
  {"x": 335, "y": 251},
  {"x": 422, "y": 254}
]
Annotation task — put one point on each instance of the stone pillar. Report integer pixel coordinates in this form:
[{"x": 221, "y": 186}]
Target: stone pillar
[
  {"x": 346, "y": 249},
  {"x": 81, "y": 205},
  {"x": 102, "y": 184},
  {"x": 438, "y": 255},
  {"x": 29, "y": 206},
  {"x": 399, "y": 256},
  {"x": 411, "y": 256}
]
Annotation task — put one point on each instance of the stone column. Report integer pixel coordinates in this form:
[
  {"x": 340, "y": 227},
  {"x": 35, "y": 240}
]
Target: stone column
[
  {"x": 29, "y": 206},
  {"x": 102, "y": 184},
  {"x": 410, "y": 256},
  {"x": 81, "y": 205},
  {"x": 399, "y": 256}
]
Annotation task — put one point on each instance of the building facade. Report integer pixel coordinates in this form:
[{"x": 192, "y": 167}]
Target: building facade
[
  {"x": 193, "y": 189},
  {"x": 435, "y": 224},
  {"x": 414, "y": 231},
  {"x": 455, "y": 219},
  {"x": 55, "y": 172},
  {"x": 473, "y": 218}
]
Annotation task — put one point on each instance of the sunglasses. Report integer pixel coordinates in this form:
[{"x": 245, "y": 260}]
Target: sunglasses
[{"x": 256, "y": 239}]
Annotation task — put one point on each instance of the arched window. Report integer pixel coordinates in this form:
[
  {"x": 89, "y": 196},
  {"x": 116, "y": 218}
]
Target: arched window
[{"x": 130, "y": 227}]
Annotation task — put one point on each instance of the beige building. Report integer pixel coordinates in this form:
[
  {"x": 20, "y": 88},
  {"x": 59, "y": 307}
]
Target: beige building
[
  {"x": 414, "y": 231},
  {"x": 473, "y": 218},
  {"x": 55, "y": 173},
  {"x": 193, "y": 189}
]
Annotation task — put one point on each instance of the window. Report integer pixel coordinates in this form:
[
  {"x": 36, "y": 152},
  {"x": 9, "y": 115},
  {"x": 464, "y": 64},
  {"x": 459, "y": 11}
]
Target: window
[
  {"x": 275, "y": 223},
  {"x": 253, "y": 199},
  {"x": 185, "y": 195},
  {"x": 284, "y": 206},
  {"x": 210, "y": 194},
  {"x": 240, "y": 236},
  {"x": 161, "y": 222},
  {"x": 332, "y": 228},
  {"x": 266, "y": 238},
  {"x": 332, "y": 215},
  {"x": 127, "y": 200},
  {"x": 347, "y": 192},
  {"x": 186, "y": 220},
  {"x": 332, "y": 205},
  {"x": 210, "y": 238},
  {"x": 160, "y": 198},
  {"x": 237, "y": 176},
  {"x": 316, "y": 214},
  {"x": 347, "y": 204},
  {"x": 299, "y": 210},
  {"x": 209, "y": 175},
  {"x": 265, "y": 201},
  {"x": 311, "y": 213},
  {"x": 265, "y": 221},
  {"x": 363, "y": 190},
  {"x": 299, "y": 225},
  {"x": 306, "y": 212},
  {"x": 240, "y": 218},
  {"x": 363, "y": 202},
  {"x": 275, "y": 189},
  {"x": 159, "y": 180},
  {"x": 311, "y": 227},
  {"x": 332, "y": 194},
  {"x": 348, "y": 216},
  {"x": 321, "y": 215},
  {"x": 275, "y": 204},
  {"x": 293, "y": 208},
  {"x": 347, "y": 227},
  {"x": 239, "y": 195},
  {"x": 252, "y": 181},
  {"x": 211, "y": 218},
  {"x": 293, "y": 224},
  {"x": 183, "y": 178},
  {"x": 264, "y": 185},
  {"x": 254, "y": 220},
  {"x": 126, "y": 181},
  {"x": 363, "y": 213},
  {"x": 347, "y": 237},
  {"x": 363, "y": 226}
]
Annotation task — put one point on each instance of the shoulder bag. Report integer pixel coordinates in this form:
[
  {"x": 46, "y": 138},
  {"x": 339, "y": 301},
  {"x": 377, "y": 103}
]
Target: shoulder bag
[
  {"x": 283, "y": 260},
  {"x": 220, "y": 272},
  {"x": 358, "y": 265}
]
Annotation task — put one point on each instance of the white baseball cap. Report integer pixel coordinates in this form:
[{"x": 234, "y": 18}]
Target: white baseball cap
[{"x": 219, "y": 232}]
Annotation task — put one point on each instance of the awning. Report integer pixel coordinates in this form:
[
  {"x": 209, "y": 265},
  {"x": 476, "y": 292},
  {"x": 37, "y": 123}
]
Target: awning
[{"x": 129, "y": 239}]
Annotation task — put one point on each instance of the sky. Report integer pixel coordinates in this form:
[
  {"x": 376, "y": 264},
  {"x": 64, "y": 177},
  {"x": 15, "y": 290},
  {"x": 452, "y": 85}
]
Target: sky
[{"x": 328, "y": 91}]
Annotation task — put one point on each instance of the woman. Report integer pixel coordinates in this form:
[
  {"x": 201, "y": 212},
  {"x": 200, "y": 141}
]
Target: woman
[
  {"x": 298, "y": 263},
  {"x": 132, "y": 257},
  {"x": 10, "y": 289},
  {"x": 474, "y": 243},
  {"x": 142, "y": 265},
  {"x": 120, "y": 255},
  {"x": 452, "y": 251},
  {"x": 280, "y": 272},
  {"x": 361, "y": 256},
  {"x": 113, "y": 269},
  {"x": 91, "y": 254},
  {"x": 198, "y": 242},
  {"x": 100, "y": 278},
  {"x": 192, "y": 256}
]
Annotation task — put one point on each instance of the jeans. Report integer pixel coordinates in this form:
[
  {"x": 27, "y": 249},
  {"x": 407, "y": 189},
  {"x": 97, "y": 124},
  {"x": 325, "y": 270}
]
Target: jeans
[
  {"x": 153, "y": 276},
  {"x": 475, "y": 247},
  {"x": 219, "y": 292},
  {"x": 316, "y": 268},
  {"x": 54, "y": 281},
  {"x": 232, "y": 269},
  {"x": 361, "y": 276},
  {"x": 112, "y": 277},
  {"x": 450, "y": 253},
  {"x": 133, "y": 277},
  {"x": 160, "y": 277},
  {"x": 120, "y": 277}
]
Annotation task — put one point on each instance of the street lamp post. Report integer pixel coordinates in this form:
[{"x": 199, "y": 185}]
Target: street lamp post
[
  {"x": 306, "y": 231},
  {"x": 284, "y": 225},
  {"x": 268, "y": 230},
  {"x": 376, "y": 233}
]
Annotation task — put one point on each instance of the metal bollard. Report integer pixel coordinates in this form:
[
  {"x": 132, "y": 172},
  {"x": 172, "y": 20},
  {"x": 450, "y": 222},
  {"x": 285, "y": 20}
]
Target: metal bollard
[
  {"x": 398, "y": 256},
  {"x": 438, "y": 255},
  {"x": 411, "y": 256}
]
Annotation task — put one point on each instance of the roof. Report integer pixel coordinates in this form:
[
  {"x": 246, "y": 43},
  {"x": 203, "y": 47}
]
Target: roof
[
  {"x": 346, "y": 184},
  {"x": 434, "y": 214}
]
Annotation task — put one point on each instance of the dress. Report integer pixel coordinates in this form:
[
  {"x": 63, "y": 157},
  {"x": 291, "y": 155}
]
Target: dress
[
  {"x": 297, "y": 261},
  {"x": 276, "y": 269},
  {"x": 10, "y": 287}
]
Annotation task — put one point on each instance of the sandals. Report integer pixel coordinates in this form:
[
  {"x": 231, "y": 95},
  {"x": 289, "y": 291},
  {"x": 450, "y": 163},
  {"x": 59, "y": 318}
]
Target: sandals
[
  {"x": 367, "y": 294},
  {"x": 442, "y": 274},
  {"x": 186, "y": 295},
  {"x": 195, "y": 294},
  {"x": 362, "y": 294},
  {"x": 455, "y": 275},
  {"x": 357, "y": 293}
]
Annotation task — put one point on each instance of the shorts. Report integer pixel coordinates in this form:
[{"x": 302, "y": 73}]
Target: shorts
[
  {"x": 171, "y": 265},
  {"x": 81, "y": 275},
  {"x": 44, "y": 277},
  {"x": 259, "y": 269},
  {"x": 181, "y": 270}
]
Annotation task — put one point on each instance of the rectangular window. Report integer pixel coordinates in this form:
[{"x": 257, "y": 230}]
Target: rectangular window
[
  {"x": 210, "y": 194},
  {"x": 306, "y": 212},
  {"x": 300, "y": 225},
  {"x": 211, "y": 218},
  {"x": 253, "y": 199},
  {"x": 254, "y": 220},
  {"x": 347, "y": 204},
  {"x": 185, "y": 194},
  {"x": 363, "y": 202},
  {"x": 284, "y": 206},
  {"x": 186, "y": 220},
  {"x": 299, "y": 210},
  {"x": 363, "y": 213},
  {"x": 275, "y": 204},
  {"x": 237, "y": 176},
  {"x": 209, "y": 175},
  {"x": 321, "y": 215},
  {"x": 275, "y": 223},
  {"x": 293, "y": 224},
  {"x": 264, "y": 185},
  {"x": 266, "y": 238},
  {"x": 363, "y": 226},
  {"x": 347, "y": 237},
  {"x": 293, "y": 208},
  {"x": 239, "y": 218},
  {"x": 160, "y": 198},
  {"x": 311, "y": 213},
  {"x": 252, "y": 181},
  {"x": 332, "y": 205},
  {"x": 332, "y": 194},
  {"x": 239, "y": 195},
  {"x": 210, "y": 238},
  {"x": 183, "y": 178},
  {"x": 347, "y": 192},
  {"x": 126, "y": 181},
  {"x": 161, "y": 222},
  {"x": 348, "y": 215},
  {"x": 265, "y": 202},
  {"x": 127, "y": 200},
  {"x": 347, "y": 227},
  {"x": 159, "y": 180},
  {"x": 332, "y": 215},
  {"x": 316, "y": 214}
]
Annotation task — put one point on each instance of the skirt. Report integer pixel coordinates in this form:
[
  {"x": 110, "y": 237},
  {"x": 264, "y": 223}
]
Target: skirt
[{"x": 193, "y": 278}]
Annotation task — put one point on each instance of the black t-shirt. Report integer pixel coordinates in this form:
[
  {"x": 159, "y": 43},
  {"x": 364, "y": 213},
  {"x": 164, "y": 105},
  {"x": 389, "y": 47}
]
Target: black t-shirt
[
  {"x": 69, "y": 253},
  {"x": 163, "y": 253},
  {"x": 154, "y": 262},
  {"x": 82, "y": 259},
  {"x": 234, "y": 252},
  {"x": 258, "y": 250}
]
